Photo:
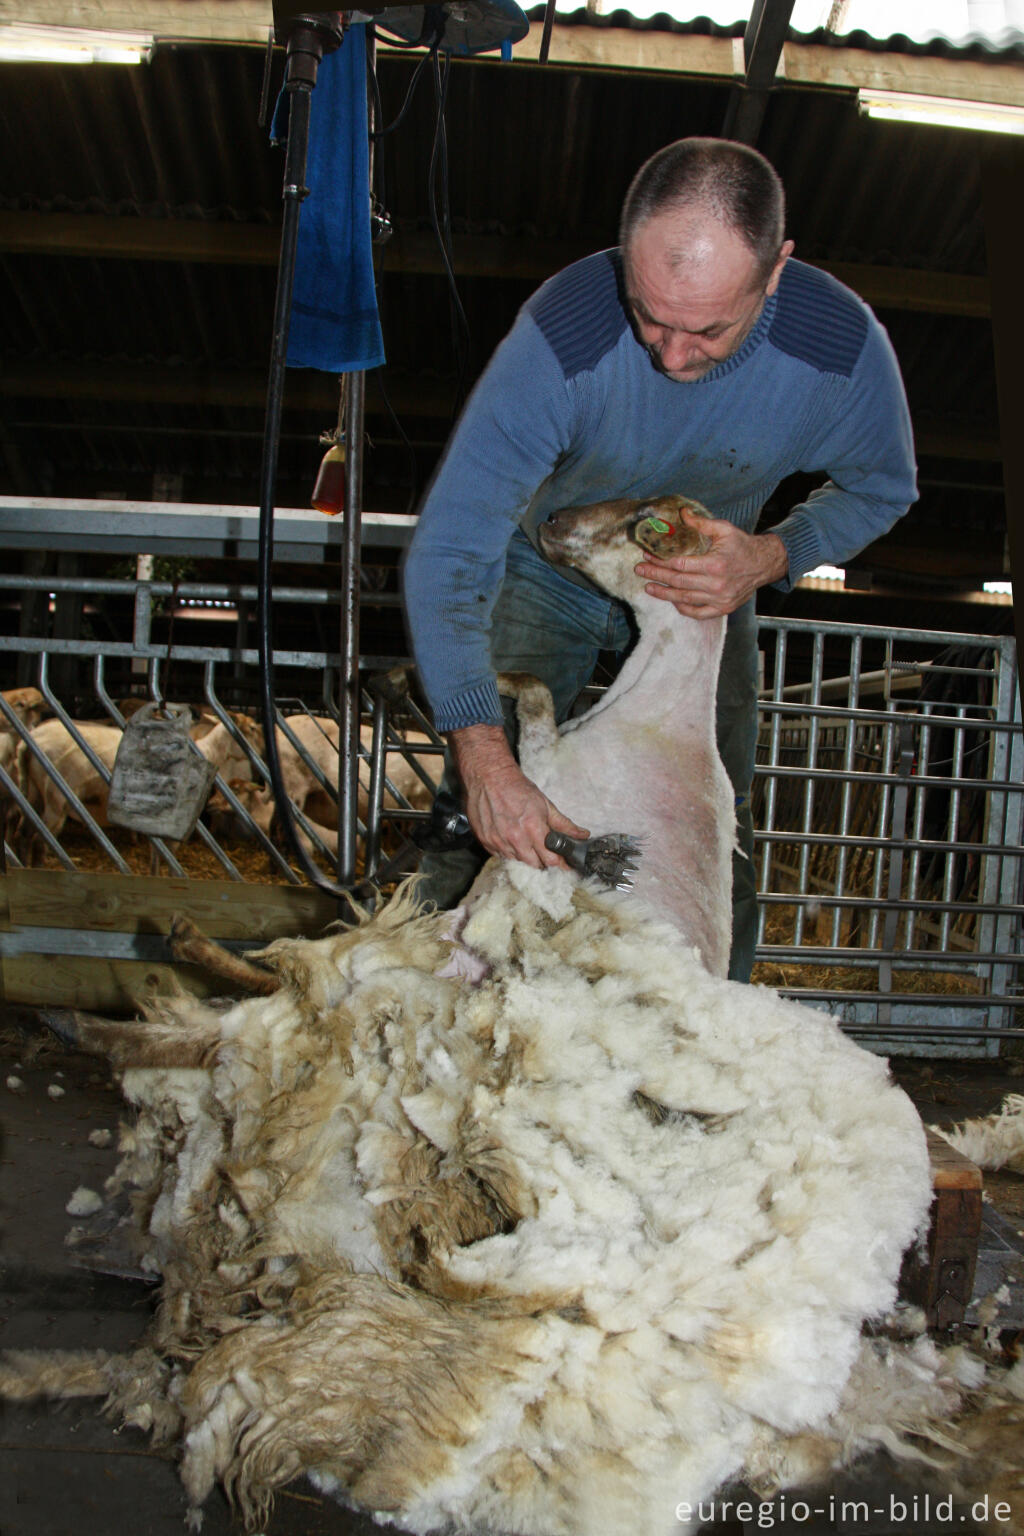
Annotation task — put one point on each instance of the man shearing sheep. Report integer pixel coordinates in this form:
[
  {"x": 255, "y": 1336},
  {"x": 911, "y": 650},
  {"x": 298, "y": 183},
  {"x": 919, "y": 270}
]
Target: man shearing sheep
[{"x": 696, "y": 357}]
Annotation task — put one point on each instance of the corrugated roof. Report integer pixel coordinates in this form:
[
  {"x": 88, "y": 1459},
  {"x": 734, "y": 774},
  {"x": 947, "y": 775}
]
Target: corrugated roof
[
  {"x": 127, "y": 367},
  {"x": 1007, "y": 44}
]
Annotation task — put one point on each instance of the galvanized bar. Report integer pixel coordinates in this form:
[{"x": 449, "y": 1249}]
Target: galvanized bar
[
  {"x": 348, "y": 700},
  {"x": 1002, "y": 870},
  {"x": 924, "y": 906},
  {"x": 152, "y": 948},
  {"x": 774, "y": 737},
  {"x": 817, "y": 669},
  {"x": 27, "y": 810},
  {"x": 897, "y": 833},
  {"x": 376, "y": 792},
  {"x": 846, "y": 793},
  {"x": 912, "y": 843},
  {"x": 886, "y": 778},
  {"x": 258, "y": 763},
  {"x": 84, "y": 816},
  {"x": 910, "y": 999},
  {"x": 952, "y": 823}
]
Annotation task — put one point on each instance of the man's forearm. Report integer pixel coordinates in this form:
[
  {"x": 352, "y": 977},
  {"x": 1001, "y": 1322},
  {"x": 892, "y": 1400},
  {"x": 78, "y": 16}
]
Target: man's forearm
[
  {"x": 480, "y": 750},
  {"x": 508, "y": 813}
]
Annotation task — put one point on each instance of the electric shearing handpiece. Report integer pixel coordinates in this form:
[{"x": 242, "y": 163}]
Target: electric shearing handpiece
[{"x": 610, "y": 858}]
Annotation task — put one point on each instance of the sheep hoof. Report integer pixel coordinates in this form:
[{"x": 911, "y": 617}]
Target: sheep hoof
[{"x": 63, "y": 1023}]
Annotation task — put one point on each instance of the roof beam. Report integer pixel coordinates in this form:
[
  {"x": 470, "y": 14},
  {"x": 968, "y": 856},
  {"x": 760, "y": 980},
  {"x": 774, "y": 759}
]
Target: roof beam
[
  {"x": 762, "y": 49},
  {"x": 194, "y": 21},
  {"x": 415, "y": 251},
  {"x": 594, "y": 46},
  {"x": 310, "y": 391},
  {"x": 818, "y": 65}
]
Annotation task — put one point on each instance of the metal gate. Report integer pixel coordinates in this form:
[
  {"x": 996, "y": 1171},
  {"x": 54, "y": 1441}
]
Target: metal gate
[
  {"x": 400, "y": 751},
  {"x": 888, "y": 801},
  {"x": 889, "y": 798}
]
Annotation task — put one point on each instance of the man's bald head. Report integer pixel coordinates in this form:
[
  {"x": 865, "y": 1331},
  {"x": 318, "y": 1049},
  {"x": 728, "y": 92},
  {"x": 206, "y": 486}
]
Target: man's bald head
[{"x": 702, "y": 181}]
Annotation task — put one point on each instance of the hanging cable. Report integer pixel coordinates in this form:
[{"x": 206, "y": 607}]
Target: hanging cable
[
  {"x": 382, "y": 133},
  {"x": 414, "y": 477},
  {"x": 441, "y": 225}
]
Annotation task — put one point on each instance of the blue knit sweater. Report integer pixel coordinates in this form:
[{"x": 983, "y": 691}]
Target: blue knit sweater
[{"x": 571, "y": 411}]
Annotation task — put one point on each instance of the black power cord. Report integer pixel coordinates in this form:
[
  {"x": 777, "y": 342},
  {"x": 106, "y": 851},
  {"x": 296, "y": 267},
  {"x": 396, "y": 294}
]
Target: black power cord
[{"x": 440, "y": 221}]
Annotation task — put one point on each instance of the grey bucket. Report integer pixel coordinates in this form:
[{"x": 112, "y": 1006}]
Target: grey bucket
[{"x": 160, "y": 780}]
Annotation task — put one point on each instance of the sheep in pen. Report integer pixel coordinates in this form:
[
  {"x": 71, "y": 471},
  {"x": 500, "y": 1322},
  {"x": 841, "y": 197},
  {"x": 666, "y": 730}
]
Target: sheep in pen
[{"x": 526, "y": 1220}]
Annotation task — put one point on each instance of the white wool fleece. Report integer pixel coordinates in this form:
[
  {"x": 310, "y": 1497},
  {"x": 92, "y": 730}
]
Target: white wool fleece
[{"x": 550, "y": 1253}]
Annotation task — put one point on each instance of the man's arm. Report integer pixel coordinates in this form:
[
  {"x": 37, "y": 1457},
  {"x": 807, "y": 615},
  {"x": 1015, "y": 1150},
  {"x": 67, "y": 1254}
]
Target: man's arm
[
  {"x": 517, "y": 423},
  {"x": 508, "y": 813}
]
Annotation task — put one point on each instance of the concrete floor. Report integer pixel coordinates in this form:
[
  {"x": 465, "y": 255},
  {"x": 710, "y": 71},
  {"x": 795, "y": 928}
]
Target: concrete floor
[{"x": 64, "y": 1471}]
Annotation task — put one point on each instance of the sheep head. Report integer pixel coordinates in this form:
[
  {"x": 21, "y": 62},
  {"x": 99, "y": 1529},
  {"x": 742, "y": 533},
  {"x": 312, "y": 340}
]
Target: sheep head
[{"x": 607, "y": 539}]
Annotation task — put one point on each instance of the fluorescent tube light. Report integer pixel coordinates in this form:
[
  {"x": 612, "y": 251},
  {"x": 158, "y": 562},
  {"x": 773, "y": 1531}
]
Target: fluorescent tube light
[
  {"x": 941, "y": 111},
  {"x": 72, "y": 45}
]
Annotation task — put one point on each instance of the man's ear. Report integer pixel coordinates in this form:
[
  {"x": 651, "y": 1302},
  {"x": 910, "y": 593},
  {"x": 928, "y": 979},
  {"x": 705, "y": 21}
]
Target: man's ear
[{"x": 784, "y": 254}]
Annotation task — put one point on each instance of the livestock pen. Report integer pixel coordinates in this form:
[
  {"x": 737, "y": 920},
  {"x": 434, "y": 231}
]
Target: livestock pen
[{"x": 888, "y": 801}]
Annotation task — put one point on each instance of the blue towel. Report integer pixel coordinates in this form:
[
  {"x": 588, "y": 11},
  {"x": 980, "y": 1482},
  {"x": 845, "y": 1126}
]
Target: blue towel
[{"x": 334, "y": 321}]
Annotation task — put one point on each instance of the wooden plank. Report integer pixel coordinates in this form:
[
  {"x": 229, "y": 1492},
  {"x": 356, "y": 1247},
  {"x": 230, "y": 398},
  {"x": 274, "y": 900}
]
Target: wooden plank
[
  {"x": 823, "y": 67},
  {"x": 95, "y": 985},
  {"x": 815, "y": 64},
  {"x": 139, "y": 239},
  {"x": 950, "y": 1168},
  {"x": 941, "y": 1279},
  {"x": 235, "y": 21},
  {"x": 112, "y": 903},
  {"x": 138, "y": 904}
]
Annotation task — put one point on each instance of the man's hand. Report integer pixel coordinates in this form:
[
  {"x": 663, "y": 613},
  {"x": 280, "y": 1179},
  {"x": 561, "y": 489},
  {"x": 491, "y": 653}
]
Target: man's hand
[
  {"x": 707, "y": 586},
  {"x": 507, "y": 812}
]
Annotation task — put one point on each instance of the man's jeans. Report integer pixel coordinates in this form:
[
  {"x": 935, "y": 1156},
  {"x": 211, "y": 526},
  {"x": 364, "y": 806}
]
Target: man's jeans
[{"x": 555, "y": 630}]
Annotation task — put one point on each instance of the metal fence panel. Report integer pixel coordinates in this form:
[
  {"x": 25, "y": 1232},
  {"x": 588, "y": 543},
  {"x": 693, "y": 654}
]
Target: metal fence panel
[
  {"x": 888, "y": 797},
  {"x": 888, "y": 803}
]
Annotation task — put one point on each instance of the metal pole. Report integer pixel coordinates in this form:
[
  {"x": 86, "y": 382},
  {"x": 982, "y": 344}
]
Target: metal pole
[
  {"x": 349, "y": 700},
  {"x": 349, "y": 695}
]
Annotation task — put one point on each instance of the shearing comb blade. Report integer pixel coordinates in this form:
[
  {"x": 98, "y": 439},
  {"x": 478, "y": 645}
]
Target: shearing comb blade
[{"x": 611, "y": 858}]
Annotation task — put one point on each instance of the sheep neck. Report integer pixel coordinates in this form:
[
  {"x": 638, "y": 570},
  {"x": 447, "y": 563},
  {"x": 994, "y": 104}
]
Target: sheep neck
[{"x": 672, "y": 669}]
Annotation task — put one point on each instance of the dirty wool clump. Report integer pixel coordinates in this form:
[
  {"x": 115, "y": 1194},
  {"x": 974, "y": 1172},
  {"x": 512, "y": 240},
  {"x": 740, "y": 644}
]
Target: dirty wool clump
[
  {"x": 992, "y": 1141},
  {"x": 552, "y": 1252}
]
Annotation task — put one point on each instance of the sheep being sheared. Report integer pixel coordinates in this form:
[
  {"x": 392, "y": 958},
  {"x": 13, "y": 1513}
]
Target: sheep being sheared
[
  {"x": 644, "y": 760},
  {"x": 554, "y": 1253}
]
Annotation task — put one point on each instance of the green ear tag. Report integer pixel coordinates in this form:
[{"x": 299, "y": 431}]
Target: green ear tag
[{"x": 656, "y": 525}]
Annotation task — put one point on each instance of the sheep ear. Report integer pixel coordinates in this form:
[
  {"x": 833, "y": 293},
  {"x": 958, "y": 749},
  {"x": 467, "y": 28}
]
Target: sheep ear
[{"x": 662, "y": 531}]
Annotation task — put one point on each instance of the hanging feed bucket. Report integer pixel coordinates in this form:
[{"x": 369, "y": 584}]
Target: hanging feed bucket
[{"x": 160, "y": 781}]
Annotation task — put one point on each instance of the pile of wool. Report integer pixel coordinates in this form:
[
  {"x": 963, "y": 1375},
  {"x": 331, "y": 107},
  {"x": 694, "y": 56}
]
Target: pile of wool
[
  {"x": 992, "y": 1141},
  {"x": 553, "y": 1251}
]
